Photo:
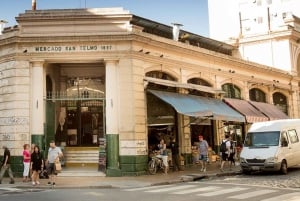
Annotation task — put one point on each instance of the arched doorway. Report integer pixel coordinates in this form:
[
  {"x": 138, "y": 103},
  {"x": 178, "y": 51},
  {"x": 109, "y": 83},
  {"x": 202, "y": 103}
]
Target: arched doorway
[
  {"x": 204, "y": 126},
  {"x": 76, "y": 96},
  {"x": 161, "y": 117}
]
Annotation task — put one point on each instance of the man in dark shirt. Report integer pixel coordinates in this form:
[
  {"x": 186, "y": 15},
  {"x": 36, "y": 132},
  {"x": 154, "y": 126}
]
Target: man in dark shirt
[
  {"x": 6, "y": 166},
  {"x": 175, "y": 154}
]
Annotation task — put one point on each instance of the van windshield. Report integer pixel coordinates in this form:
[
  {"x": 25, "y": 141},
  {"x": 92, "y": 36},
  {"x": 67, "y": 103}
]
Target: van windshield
[{"x": 262, "y": 139}]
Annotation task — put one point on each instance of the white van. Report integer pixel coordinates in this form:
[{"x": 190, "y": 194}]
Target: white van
[{"x": 271, "y": 146}]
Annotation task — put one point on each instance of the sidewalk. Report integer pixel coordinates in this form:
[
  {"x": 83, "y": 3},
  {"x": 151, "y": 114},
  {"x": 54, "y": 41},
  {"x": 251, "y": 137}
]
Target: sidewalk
[{"x": 91, "y": 181}]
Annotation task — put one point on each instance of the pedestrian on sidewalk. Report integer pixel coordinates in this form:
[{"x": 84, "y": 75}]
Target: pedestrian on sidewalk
[
  {"x": 203, "y": 153},
  {"x": 175, "y": 154},
  {"x": 54, "y": 154},
  {"x": 225, "y": 153},
  {"x": 6, "y": 166},
  {"x": 26, "y": 162},
  {"x": 232, "y": 154},
  {"x": 163, "y": 154},
  {"x": 36, "y": 165}
]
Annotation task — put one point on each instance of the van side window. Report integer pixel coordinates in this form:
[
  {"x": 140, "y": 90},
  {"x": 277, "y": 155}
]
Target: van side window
[
  {"x": 293, "y": 136},
  {"x": 284, "y": 141}
]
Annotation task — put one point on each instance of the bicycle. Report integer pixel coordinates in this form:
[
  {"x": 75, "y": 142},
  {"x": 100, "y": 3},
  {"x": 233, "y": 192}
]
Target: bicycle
[{"x": 155, "y": 164}]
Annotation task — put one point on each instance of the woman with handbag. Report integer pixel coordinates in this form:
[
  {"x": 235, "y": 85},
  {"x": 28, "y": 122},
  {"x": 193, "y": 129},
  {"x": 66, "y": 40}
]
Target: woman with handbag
[
  {"x": 54, "y": 153},
  {"x": 37, "y": 162}
]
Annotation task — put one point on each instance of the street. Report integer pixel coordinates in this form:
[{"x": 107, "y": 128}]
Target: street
[
  {"x": 254, "y": 187},
  {"x": 223, "y": 188},
  {"x": 192, "y": 191}
]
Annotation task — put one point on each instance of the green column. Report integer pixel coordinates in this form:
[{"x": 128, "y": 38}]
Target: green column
[
  {"x": 112, "y": 143},
  {"x": 38, "y": 140}
]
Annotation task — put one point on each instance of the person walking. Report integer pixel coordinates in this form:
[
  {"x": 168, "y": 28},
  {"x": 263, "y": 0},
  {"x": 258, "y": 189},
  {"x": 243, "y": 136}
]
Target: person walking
[
  {"x": 175, "y": 154},
  {"x": 26, "y": 162},
  {"x": 232, "y": 155},
  {"x": 203, "y": 153},
  {"x": 54, "y": 153},
  {"x": 225, "y": 151},
  {"x": 6, "y": 166},
  {"x": 36, "y": 165}
]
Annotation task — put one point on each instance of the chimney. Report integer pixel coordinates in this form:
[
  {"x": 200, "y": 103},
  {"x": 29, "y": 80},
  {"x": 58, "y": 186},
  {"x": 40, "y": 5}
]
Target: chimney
[
  {"x": 176, "y": 30},
  {"x": 2, "y": 25},
  {"x": 33, "y": 5}
]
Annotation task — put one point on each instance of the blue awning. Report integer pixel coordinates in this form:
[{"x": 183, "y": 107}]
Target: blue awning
[{"x": 199, "y": 106}]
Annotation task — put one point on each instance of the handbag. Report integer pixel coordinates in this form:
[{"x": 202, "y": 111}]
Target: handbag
[
  {"x": 44, "y": 174},
  {"x": 57, "y": 166}
]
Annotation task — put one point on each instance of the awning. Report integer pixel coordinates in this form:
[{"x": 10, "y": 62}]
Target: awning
[
  {"x": 244, "y": 107},
  {"x": 269, "y": 110},
  {"x": 198, "y": 106}
]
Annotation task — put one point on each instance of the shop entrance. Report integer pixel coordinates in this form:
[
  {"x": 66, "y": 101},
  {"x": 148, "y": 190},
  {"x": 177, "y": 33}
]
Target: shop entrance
[{"x": 84, "y": 123}]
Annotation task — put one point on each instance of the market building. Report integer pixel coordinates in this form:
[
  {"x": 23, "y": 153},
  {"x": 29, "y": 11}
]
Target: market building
[{"x": 107, "y": 85}]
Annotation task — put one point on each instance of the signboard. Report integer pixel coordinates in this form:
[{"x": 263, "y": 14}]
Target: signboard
[{"x": 133, "y": 147}]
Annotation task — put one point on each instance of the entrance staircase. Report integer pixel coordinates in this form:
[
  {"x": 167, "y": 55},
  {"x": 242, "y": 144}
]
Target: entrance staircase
[
  {"x": 81, "y": 157},
  {"x": 81, "y": 162}
]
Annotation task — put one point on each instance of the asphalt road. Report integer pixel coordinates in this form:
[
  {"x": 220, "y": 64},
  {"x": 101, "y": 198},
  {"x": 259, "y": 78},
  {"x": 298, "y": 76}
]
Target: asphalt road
[{"x": 190, "y": 191}]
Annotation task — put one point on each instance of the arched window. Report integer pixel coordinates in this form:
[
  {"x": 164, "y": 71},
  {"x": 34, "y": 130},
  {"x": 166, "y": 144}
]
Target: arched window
[
  {"x": 199, "y": 81},
  {"x": 231, "y": 91},
  {"x": 257, "y": 95},
  {"x": 280, "y": 101},
  {"x": 163, "y": 76}
]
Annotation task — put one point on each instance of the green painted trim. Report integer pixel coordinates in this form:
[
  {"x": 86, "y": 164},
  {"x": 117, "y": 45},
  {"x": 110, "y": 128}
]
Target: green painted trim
[
  {"x": 133, "y": 165},
  {"x": 38, "y": 140},
  {"x": 112, "y": 145}
]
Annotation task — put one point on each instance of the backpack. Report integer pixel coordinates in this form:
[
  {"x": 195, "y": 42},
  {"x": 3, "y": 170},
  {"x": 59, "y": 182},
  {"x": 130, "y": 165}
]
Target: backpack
[{"x": 223, "y": 147}]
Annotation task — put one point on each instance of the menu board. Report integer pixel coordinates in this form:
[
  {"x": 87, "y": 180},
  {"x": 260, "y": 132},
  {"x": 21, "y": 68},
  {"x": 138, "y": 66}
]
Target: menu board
[{"x": 102, "y": 154}]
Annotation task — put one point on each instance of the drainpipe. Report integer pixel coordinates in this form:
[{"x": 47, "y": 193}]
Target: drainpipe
[
  {"x": 176, "y": 30},
  {"x": 33, "y": 5}
]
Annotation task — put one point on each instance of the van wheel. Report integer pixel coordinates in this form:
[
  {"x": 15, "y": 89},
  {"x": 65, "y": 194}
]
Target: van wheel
[{"x": 283, "y": 168}]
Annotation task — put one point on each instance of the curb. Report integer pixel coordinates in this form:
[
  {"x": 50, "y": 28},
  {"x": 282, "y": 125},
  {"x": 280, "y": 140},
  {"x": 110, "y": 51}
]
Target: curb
[{"x": 184, "y": 178}]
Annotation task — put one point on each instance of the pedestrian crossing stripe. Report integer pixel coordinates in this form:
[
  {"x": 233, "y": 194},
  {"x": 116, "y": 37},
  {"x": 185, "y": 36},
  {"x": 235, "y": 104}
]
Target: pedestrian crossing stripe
[
  {"x": 144, "y": 188},
  {"x": 195, "y": 190},
  {"x": 290, "y": 197},
  {"x": 252, "y": 194},
  {"x": 214, "y": 190},
  {"x": 165, "y": 189},
  {"x": 223, "y": 191}
]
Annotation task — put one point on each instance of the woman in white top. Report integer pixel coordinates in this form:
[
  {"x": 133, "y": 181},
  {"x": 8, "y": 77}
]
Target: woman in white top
[{"x": 163, "y": 154}]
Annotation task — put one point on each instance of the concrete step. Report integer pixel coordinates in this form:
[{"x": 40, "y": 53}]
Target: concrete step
[
  {"x": 81, "y": 156},
  {"x": 81, "y": 172}
]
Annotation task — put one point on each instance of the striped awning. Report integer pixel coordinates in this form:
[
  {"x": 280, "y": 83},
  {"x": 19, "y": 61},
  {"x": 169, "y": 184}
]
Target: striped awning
[
  {"x": 269, "y": 110},
  {"x": 245, "y": 108}
]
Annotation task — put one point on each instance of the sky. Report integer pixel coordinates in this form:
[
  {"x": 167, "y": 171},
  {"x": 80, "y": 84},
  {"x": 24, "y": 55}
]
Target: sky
[{"x": 192, "y": 14}]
